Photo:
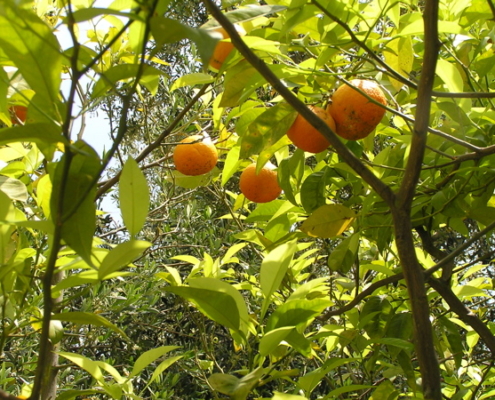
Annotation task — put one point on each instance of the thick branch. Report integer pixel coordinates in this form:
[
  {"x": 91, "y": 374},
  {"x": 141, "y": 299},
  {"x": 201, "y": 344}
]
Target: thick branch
[
  {"x": 422, "y": 122},
  {"x": 381, "y": 188},
  {"x": 443, "y": 288}
]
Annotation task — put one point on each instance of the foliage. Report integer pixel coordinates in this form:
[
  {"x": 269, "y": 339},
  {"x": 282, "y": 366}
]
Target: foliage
[{"x": 370, "y": 277}]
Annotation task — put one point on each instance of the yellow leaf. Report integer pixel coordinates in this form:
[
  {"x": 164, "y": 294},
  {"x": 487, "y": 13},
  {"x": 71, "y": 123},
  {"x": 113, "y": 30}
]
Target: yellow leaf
[
  {"x": 328, "y": 221},
  {"x": 400, "y": 56}
]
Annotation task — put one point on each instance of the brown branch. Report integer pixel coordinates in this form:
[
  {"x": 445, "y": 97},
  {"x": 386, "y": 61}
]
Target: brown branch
[
  {"x": 7, "y": 396},
  {"x": 443, "y": 288},
  {"x": 355, "y": 163},
  {"x": 361, "y": 296},
  {"x": 401, "y": 212}
]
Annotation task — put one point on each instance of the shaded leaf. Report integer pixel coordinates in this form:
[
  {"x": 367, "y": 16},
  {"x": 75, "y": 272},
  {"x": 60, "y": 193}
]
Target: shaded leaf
[
  {"x": 76, "y": 204},
  {"x": 328, "y": 221}
]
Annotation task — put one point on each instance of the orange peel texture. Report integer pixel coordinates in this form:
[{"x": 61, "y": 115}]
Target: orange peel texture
[
  {"x": 195, "y": 155},
  {"x": 354, "y": 114},
  {"x": 262, "y": 187},
  {"x": 306, "y": 137}
]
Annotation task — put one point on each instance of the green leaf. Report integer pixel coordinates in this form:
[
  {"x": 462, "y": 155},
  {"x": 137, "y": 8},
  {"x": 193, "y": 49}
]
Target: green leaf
[
  {"x": 346, "y": 389},
  {"x": 231, "y": 164},
  {"x": 385, "y": 391},
  {"x": 190, "y": 181},
  {"x": 162, "y": 367},
  {"x": 450, "y": 75},
  {"x": 309, "y": 381},
  {"x": 45, "y": 135},
  {"x": 134, "y": 196},
  {"x": 246, "y": 14},
  {"x": 285, "y": 396},
  {"x": 13, "y": 188},
  {"x": 400, "y": 58},
  {"x": 405, "y": 363},
  {"x": 30, "y": 43},
  {"x": 374, "y": 316},
  {"x": 240, "y": 78},
  {"x": 224, "y": 287},
  {"x": 223, "y": 383},
  {"x": 148, "y": 357},
  {"x": 86, "y": 318},
  {"x": 343, "y": 256},
  {"x": 400, "y": 326},
  {"x": 73, "y": 394},
  {"x": 270, "y": 341},
  {"x": 192, "y": 80},
  {"x": 237, "y": 389},
  {"x": 267, "y": 129},
  {"x": 121, "y": 256},
  {"x": 273, "y": 270},
  {"x": 328, "y": 221},
  {"x": 166, "y": 30},
  {"x": 149, "y": 78},
  {"x": 76, "y": 203},
  {"x": 221, "y": 307},
  {"x": 313, "y": 191},
  {"x": 298, "y": 313},
  {"x": 86, "y": 14},
  {"x": 92, "y": 367}
]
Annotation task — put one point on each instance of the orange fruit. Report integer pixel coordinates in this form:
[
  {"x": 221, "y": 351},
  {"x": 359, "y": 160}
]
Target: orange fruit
[
  {"x": 18, "y": 114},
  {"x": 354, "y": 114},
  {"x": 195, "y": 155},
  {"x": 223, "y": 49},
  {"x": 308, "y": 138},
  {"x": 262, "y": 187}
]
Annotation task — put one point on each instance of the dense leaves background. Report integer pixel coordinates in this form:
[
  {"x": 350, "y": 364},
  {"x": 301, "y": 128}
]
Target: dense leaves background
[{"x": 194, "y": 292}]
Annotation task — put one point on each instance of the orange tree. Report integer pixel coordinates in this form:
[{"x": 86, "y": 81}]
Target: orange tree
[{"x": 369, "y": 277}]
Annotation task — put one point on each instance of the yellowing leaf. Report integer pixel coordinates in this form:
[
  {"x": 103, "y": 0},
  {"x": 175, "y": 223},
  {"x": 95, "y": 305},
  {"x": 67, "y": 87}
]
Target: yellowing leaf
[
  {"x": 400, "y": 57},
  {"x": 328, "y": 221}
]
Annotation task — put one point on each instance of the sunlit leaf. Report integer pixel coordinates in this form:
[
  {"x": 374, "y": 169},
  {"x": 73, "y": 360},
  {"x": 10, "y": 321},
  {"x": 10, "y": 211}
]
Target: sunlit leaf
[
  {"x": 86, "y": 318},
  {"x": 121, "y": 256},
  {"x": 134, "y": 196},
  {"x": 150, "y": 356},
  {"x": 191, "y": 80},
  {"x": 273, "y": 270}
]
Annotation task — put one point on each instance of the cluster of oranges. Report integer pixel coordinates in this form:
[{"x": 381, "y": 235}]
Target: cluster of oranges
[{"x": 353, "y": 115}]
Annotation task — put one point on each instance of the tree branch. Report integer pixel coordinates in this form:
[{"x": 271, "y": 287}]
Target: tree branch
[{"x": 443, "y": 288}]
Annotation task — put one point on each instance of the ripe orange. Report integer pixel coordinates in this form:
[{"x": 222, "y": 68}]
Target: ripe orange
[
  {"x": 260, "y": 188},
  {"x": 195, "y": 155},
  {"x": 354, "y": 114},
  {"x": 306, "y": 137},
  {"x": 223, "y": 49},
  {"x": 18, "y": 114}
]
